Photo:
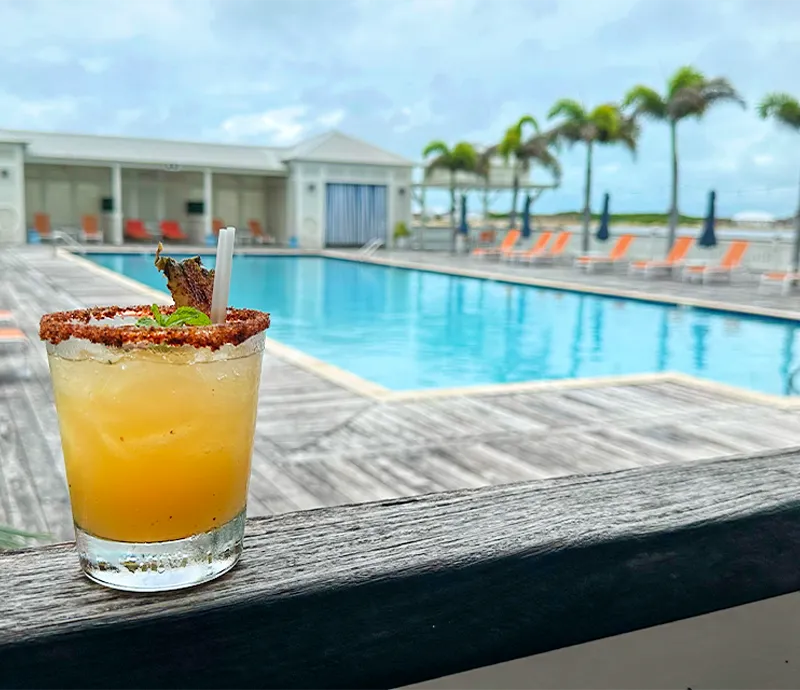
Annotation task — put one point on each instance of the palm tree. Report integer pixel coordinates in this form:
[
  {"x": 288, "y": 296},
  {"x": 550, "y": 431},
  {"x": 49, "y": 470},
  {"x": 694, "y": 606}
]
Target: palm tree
[
  {"x": 462, "y": 157},
  {"x": 514, "y": 147},
  {"x": 604, "y": 125},
  {"x": 689, "y": 94},
  {"x": 785, "y": 110}
]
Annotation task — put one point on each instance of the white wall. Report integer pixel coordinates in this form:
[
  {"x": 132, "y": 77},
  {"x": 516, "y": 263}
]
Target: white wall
[
  {"x": 12, "y": 194},
  {"x": 305, "y": 196},
  {"x": 752, "y": 646},
  {"x": 65, "y": 192}
]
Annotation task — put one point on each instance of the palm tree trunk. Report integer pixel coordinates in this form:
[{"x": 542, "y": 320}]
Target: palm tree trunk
[
  {"x": 453, "y": 211},
  {"x": 587, "y": 199},
  {"x": 512, "y": 217},
  {"x": 796, "y": 247},
  {"x": 673, "y": 207}
]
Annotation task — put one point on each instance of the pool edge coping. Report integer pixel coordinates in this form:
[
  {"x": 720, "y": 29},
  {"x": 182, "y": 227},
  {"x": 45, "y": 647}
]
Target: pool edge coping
[{"x": 369, "y": 389}]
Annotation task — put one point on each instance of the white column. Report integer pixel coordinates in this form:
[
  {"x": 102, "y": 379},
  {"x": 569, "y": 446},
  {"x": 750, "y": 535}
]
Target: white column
[
  {"x": 134, "y": 190},
  {"x": 116, "y": 234},
  {"x": 208, "y": 202},
  {"x": 161, "y": 199}
]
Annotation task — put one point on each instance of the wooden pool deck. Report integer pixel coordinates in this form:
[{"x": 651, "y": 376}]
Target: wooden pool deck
[{"x": 319, "y": 443}]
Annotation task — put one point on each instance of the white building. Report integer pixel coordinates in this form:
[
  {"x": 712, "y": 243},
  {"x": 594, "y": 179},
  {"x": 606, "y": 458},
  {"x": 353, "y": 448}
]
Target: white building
[{"x": 330, "y": 190}]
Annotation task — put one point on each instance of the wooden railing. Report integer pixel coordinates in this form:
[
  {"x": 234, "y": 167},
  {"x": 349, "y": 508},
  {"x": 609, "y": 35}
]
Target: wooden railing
[{"x": 387, "y": 594}]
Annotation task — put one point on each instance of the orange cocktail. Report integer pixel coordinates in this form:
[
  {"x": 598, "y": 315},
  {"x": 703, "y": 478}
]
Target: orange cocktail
[{"x": 157, "y": 430}]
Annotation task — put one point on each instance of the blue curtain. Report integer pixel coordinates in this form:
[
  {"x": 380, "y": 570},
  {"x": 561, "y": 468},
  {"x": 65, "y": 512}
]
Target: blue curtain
[{"x": 355, "y": 214}]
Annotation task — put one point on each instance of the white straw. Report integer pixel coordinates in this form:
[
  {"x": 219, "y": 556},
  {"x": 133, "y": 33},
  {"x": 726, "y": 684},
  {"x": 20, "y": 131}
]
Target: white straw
[{"x": 222, "y": 275}]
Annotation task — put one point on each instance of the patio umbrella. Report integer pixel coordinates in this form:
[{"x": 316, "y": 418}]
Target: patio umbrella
[
  {"x": 463, "y": 228},
  {"x": 602, "y": 229},
  {"x": 526, "y": 217},
  {"x": 708, "y": 238}
]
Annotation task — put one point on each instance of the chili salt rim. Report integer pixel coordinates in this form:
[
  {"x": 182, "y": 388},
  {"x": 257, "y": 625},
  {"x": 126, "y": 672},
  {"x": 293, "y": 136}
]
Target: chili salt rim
[{"x": 240, "y": 325}]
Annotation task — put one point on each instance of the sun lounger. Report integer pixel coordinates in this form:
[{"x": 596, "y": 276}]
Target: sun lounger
[
  {"x": 216, "y": 225},
  {"x": 257, "y": 233},
  {"x": 135, "y": 230},
  {"x": 41, "y": 223},
  {"x": 731, "y": 262},
  {"x": 555, "y": 252},
  {"x": 783, "y": 279},
  {"x": 536, "y": 248},
  {"x": 171, "y": 230},
  {"x": 674, "y": 260},
  {"x": 90, "y": 229},
  {"x": 505, "y": 246},
  {"x": 617, "y": 255},
  {"x": 13, "y": 336}
]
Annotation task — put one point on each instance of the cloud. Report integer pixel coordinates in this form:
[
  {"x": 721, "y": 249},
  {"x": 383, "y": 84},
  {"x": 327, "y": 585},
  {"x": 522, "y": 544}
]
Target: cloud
[
  {"x": 331, "y": 119},
  {"x": 45, "y": 113},
  {"x": 279, "y": 71},
  {"x": 96, "y": 65},
  {"x": 281, "y": 126}
]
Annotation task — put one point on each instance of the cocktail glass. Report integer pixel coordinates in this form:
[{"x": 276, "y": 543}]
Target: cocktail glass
[{"x": 157, "y": 429}]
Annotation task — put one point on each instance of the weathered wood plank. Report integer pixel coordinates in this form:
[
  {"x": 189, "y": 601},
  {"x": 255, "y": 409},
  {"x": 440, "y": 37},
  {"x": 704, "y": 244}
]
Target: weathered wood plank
[{"x": 373, "y": 595}]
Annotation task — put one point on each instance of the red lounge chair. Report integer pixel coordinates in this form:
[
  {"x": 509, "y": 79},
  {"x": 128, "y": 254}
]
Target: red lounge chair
[
  {"x": 135, "y": 230},
  {"x": 171, "y": 230}
]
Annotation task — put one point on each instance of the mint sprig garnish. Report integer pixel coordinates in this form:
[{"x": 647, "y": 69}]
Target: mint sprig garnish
[{"x": 182, "y": 316}]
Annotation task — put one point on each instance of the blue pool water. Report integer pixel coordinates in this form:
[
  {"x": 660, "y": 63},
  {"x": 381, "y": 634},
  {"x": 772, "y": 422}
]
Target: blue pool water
[{"x": 411, "y": 329}]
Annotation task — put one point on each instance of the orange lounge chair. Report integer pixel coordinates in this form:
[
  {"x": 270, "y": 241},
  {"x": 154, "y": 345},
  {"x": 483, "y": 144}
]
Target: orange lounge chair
[
  {"x": 555, "y": 252},
  {"x": 135, "y": 230},
  {"x": 257, "y": 233},
  {"x": 10, "y": 336},
  {"x": 171, "y": 230},
  {"x": 536, "y": 248},
  {"x": 674, "y": 259},
  {"x": 216, "y": 225},
  {"x": 505, "y": 246},
  {"x": 41, "y": 223},
  {"x": 731, "y": 261},
  {"x": 616, "y": 255},
  {"x": 90, "y": 229},
  {"x": 784, "y": 279}
]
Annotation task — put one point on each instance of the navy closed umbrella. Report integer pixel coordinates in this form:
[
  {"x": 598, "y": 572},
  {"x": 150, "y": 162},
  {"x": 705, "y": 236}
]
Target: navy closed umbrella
[
  {"x": 708, "y": 238},
  {"x": 602, "y": 229},
  {"x": 463, "y": 228},
  {"x": 526, "y": 217}
]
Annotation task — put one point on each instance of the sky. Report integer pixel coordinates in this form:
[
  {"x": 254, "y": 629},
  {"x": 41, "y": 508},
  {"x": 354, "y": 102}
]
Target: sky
[{"x": 400, "y": 73}]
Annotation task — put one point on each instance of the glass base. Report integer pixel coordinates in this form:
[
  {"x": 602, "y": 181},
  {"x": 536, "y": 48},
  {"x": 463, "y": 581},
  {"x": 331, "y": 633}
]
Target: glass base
[{"x": 161, "y": 566}]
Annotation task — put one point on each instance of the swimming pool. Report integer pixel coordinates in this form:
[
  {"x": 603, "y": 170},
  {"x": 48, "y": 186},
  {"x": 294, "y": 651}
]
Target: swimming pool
[{"x": 406, "y": 329}]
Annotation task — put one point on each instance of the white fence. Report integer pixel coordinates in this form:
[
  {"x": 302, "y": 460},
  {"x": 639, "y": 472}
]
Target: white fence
[{"x": 769, "y": 249}]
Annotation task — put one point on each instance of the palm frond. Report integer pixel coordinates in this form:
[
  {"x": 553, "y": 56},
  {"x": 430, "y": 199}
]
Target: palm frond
[
  {"x": 441, "y": 162},
  {"x": 510, "y": 143},
  {"x": 438, "y": 147},
  {"x": 569, "y": 131},
  {"x": 528, "y": 120},
  {"x": 464, "y": 156},
  {"x": 782, "y": 107},
  {"x": 569, "y": 109},
  {"x": 642, "y": 100},
  {"x": 686, "y": 77},
  {"x": 697, "y": 99},
  {"x": 538, "y": 148},
  {"x": 628, "y": 133}
]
